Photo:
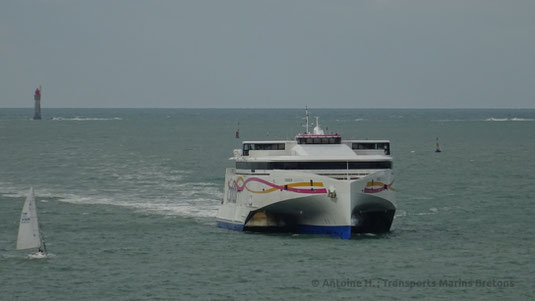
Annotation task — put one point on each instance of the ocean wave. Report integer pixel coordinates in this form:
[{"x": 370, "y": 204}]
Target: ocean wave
[
  {"x": 84, "y": 118},
  {"x": 431, "y": 211},
  {"x": 522, "y": 119},
  {"x": 449, "y": 120},
  {"x": 486, "y": 119},
  {"x": 508, "y": 119},
  {"x": 400, "y": 213},
  {"x": 497, "y": 119}
]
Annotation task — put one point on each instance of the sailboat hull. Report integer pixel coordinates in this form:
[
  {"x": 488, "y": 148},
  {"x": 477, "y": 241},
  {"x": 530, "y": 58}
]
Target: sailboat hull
[{"x": 37, "y": 255}]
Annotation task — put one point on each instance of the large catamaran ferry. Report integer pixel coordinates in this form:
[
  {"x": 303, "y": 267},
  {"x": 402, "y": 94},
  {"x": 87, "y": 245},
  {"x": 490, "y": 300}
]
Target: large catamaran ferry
[{"x": 317, "y": 183}]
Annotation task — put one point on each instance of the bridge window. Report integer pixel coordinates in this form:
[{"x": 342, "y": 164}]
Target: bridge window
[{"x": 319, "y": 140}]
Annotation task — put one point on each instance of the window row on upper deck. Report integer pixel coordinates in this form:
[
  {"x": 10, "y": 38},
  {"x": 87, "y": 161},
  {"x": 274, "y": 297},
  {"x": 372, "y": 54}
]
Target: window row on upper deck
[
  {"x": 319, "y": 140},
  {"x": 314, "y": 165}
]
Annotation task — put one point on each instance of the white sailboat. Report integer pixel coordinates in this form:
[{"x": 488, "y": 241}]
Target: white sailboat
[
  {"x": 29, "y": 236},
  {"x": 437, "y": 150}
]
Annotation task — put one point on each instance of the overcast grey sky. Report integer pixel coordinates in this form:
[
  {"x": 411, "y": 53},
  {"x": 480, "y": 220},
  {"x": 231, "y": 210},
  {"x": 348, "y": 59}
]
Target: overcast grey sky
[{"x": 257, "y": 54}]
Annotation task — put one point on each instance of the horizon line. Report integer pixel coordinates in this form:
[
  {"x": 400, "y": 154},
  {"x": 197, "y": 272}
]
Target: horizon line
[{"x": 275, "y": 108}]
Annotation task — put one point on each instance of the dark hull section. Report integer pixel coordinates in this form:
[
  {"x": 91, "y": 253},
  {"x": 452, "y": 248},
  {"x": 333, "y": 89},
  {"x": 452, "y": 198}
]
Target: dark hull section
[
  {"x": 373, "y": 221},
  {"x": 376, "y": 222},
  {"x": 343, "y": 232},
  {"x": 271, "y": 221}
]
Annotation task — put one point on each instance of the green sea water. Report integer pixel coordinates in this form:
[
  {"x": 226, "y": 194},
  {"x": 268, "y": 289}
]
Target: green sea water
[{"x": 127, "y": 200}]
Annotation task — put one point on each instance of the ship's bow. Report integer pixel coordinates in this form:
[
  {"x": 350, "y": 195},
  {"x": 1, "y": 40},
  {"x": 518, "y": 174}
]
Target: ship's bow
[{"x": 373, "y": 203}]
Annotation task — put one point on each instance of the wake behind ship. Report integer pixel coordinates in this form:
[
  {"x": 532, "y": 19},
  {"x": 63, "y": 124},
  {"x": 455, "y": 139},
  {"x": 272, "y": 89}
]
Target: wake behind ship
[{"x": 317, "y": 184}]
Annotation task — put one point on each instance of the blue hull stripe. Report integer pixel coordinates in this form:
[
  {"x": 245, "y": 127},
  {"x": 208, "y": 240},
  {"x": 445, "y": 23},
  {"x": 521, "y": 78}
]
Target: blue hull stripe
[
  {"x": 343, "y": 232},
  {"x": 230, "y": 226}
]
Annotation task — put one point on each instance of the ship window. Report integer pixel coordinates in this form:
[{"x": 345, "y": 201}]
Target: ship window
[
  {"x": 378, "y": 146},
  {"x": 246, "y": 148},
  {"x": 363, "y": 146},
  {"x": 385, "y": 147}
]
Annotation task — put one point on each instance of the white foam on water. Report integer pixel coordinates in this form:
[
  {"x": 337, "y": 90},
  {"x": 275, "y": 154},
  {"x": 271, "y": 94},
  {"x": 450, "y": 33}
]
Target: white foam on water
[
  {"x": 509, "y": 119},
  {"x": 197, "y": 199},
  {"x": 496, "y": 119},
  {"x": 487, "y": 119},
  {"x": 400, "y": 213},
  {"x": 13, "y": 195},
  {"x": 77, "y": 118},
  {"x": 8, "y": 190},
  {"x": 38, "y": 256},
  {"x": 449, "y": 120},
  {"x": 521, "y": 119},
  {"x": 423, "y": 213},
  {"x": 199, "y": 207},
  {"x": 431, "y": 211}
]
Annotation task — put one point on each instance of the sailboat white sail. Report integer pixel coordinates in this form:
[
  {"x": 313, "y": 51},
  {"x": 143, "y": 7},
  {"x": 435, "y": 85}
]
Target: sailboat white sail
[{"x": 29, "y": 236}]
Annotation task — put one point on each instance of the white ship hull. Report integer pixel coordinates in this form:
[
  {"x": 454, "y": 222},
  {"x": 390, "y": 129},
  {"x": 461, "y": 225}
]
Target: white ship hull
[{"x": 305, "y": 202}]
